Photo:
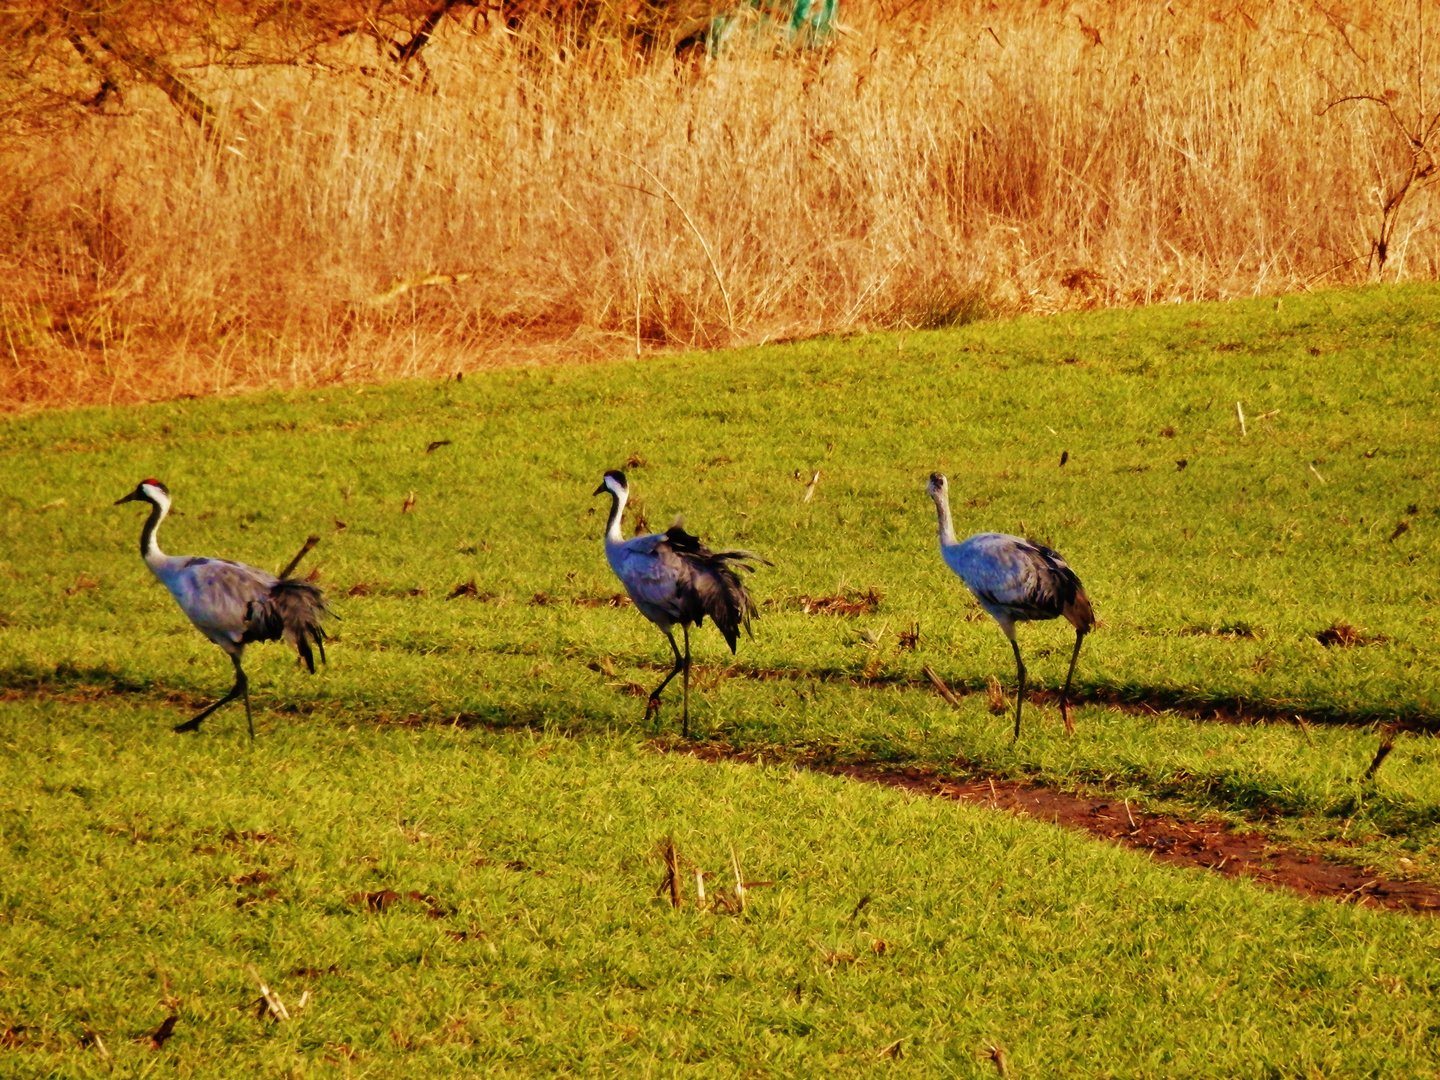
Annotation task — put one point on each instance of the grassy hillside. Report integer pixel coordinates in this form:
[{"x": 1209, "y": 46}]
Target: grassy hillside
[
  {"x": 450, "y": 737},
  {"x": 1212, "y": 578}
]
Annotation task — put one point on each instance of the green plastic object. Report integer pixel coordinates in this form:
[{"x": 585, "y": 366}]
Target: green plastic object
[{"x": 805, "y": 24}]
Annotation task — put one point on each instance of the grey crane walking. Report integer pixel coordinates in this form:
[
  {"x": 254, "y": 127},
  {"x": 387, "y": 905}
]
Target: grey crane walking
[
  {"x": 1015, "y": 580},
  {"x": 673, "y": 578},
  {"x": 230, "y": 603}
]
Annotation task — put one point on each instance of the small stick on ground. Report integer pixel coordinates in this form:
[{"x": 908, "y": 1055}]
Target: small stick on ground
[
  {"x": 310, "y": 542},
  {"x": 1241, "y": 414},
  {"x": 739, "y": 880},
  {"x": 672, "y": 873},
  {"x": 1130, "y": 815},
  {"x": 93, "y": 1038},
  {"x": 157, "y": 1039},
  {"x": 272, "y": 1000},
  {"x": 940, "y": 685},
  {"x": 810, "y": 487},
  {"x": 997, "y": 1055},
  {"x": 1304, "y": 730},
  {"x": 1386, "y": 745}
]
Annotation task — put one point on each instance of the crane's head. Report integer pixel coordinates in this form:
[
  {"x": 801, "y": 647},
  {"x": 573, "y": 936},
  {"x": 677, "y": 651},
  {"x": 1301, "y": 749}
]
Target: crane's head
[
  {"x": 938, "y": 485},
  {"x": 151, "y": 491},
  {"x": 613, "y": 482}
]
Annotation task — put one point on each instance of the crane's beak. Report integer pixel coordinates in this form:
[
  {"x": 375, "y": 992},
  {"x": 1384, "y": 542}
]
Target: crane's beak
[
  {"x": 132, "y": 497},
  {"x": 601, "y": 490}
]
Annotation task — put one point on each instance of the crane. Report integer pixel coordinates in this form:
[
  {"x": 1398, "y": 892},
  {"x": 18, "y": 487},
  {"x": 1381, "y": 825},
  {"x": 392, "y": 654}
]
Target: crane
[
  {"x": 673, "y": 578},
  {"x": 1015, "y": 580},
  {"x": 230, "y": 603}
]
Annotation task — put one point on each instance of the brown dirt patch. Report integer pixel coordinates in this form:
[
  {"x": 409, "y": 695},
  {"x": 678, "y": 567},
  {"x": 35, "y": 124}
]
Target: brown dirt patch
[
  {"x": 850, "y": 603},
  {"x": 614, "y": 600},
  {"x": 1177, "y": 841},
  {"x": 471, "y": 590},
  {"x": 1345, "y": 636}
]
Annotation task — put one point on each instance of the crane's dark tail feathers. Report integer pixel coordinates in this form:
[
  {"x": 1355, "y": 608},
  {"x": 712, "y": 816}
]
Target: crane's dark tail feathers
[
  {"x": 295, "y": 610},
  {"x": 719, "y": 590},
  {"x": 723, "y": 595},
  {"x": 1056, "y": 590}
]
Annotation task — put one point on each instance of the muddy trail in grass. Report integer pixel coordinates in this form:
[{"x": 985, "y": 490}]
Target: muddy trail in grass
[
  {"x": 1132, "y": 700},
  {"x": 1173, "y": 840}
]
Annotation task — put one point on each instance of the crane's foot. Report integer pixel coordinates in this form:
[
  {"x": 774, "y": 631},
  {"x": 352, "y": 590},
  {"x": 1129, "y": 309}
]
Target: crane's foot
[
  {"x": 1065, "y": 715},
  {"x": 189, "y": 725},
  {"x": 652, "y": 707}
]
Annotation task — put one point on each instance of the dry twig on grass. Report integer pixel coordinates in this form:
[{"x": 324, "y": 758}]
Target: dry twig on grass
[
  {"x": 939, "y": 685},
  {"x": 271, "y": 1005},
  {"x": 306, "y": 548}
]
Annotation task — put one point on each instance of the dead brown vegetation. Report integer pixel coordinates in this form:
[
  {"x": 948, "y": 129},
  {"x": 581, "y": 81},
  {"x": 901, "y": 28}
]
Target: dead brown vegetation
[
  {"x": 210, "y": 198},
  {"x": 1345, "y": 636},
  {"x": 850, "y": 602}
]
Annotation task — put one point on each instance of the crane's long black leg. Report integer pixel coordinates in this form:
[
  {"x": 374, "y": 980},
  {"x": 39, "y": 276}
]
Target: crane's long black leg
[
  {"x": 240, "y": 689},
  {"x": 685, "y": 725},
  {"x": 1065, "y": 694},
  {"x": 653, "y": 705},
  {"x": 1020, "y": 678},
  {"x": 244, "y": 684}
]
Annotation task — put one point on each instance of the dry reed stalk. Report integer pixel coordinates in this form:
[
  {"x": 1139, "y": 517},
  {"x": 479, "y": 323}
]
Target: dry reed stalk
[
  {"x": 924, "y": 170},
  {"x": 939, "y": 684},
  {"x": 305, "y": 549},
  {"x": 671, "y": 881}
]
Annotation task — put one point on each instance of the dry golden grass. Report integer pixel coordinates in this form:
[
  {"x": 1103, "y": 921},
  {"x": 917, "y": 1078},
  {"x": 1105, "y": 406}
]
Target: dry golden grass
[{"x": 539, "y": 201}]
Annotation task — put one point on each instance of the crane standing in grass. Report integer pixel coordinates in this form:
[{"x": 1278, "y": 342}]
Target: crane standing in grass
[
  {"x": 673, "y": 578},
  {"x": 1015, "y": 580},
  {"x": 230, "y": 603}
]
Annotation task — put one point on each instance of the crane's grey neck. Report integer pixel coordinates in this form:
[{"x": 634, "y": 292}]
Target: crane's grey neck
[
  {"x": 947, "y": 527},
  {"x": 149, "y": 549},
  {"x": 613, "y": 534}
]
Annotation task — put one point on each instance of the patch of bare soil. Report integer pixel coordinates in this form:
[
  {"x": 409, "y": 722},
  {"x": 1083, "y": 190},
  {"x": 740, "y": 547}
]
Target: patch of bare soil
[
  {"x": 850, "y": 602},
  {"x": 1177, "y": 841},
  {"x": 1346, "y": 636},
  {"x": 615, "y": 600}
]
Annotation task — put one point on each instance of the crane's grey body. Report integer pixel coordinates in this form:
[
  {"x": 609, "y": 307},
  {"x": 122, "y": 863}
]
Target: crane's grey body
[
  {"x": 672, "y": 578},
  {"x": 231, "y": 603},
  {"x": 1015, "y": 580},
  {"x": 225, "y": 600}
]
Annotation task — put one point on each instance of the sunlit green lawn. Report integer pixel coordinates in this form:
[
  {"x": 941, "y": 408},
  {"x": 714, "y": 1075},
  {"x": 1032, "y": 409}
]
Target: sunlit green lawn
[
  {"x": 1211, "y": 581},
  {"x": 143, "y": 875}
]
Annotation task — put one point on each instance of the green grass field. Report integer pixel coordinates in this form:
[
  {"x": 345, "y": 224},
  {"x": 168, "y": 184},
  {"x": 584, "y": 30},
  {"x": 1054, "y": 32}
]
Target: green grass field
[{"x": 450, "y": 737}]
